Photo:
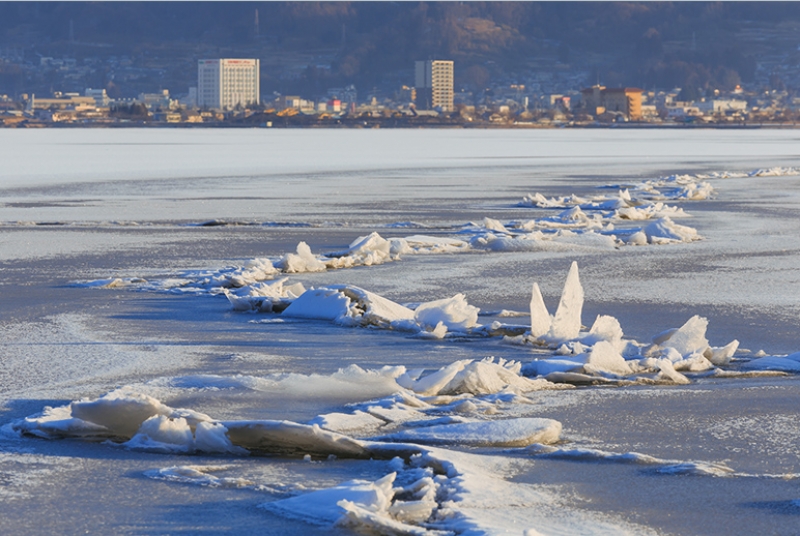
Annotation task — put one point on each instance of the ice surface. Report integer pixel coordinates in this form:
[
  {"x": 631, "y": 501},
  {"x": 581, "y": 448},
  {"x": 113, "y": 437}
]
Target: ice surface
[
  {"x": 200, "y": 475},
  {"x": 282, "y": 365},
  {"x": 603, "y": 222}
]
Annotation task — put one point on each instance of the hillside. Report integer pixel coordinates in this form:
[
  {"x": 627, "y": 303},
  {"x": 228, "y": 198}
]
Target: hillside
[{"x": 312, "y": 45}]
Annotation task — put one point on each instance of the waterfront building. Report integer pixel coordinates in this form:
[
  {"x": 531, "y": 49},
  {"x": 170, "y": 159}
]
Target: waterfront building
[
  {"x": 625, "y": 100},
  {"x": 224, "y": 84},
  {"x": 434, "y": 85}
]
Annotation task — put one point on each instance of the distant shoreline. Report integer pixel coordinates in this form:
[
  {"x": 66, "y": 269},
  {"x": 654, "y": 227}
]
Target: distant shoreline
[{"x": 389, "y": 124}]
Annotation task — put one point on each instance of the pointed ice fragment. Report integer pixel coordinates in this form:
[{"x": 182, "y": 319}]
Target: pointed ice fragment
[
  {"x": 567, "y": 322},
  {"x": 689, "y": 338},
  {"x": 540, "y": 318}
]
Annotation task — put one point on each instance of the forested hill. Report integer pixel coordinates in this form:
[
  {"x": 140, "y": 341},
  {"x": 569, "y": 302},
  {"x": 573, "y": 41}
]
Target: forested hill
[{"x": 654, "y": 43}]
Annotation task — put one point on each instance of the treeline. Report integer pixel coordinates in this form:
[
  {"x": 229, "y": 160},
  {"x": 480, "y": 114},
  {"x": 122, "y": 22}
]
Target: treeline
[{"x": 134, "y": 111}]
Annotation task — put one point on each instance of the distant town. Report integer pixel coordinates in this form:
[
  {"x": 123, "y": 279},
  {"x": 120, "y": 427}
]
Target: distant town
[
  {"x": 228, "y": 94},
  {"x": 341, "y": 64}
]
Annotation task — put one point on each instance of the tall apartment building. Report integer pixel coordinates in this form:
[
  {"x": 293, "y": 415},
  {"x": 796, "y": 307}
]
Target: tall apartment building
[
  {"x": 225, "y": 83},
  {"x": 434, "y": 85}
]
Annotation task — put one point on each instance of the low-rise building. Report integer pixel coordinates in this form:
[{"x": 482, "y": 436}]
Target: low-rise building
[
  {"x": 626, "y": 100},
  {"x": 65, "y": 101},
  {"x": 99, "y": 95},
  {"x": 722, "y": 106},
  {"x": 157, "y": 101}
]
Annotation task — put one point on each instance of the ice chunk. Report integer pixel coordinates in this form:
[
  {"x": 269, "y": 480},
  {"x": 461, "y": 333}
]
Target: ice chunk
[
  {"x": 254, "y": 271},
  {"x": 286, "y": 437},
  {"x": 319, "y": 304},
  {"x": 59, "y": 422},
  {"x": 372, "y": 244},
  {"x": 668, "y": 373},
  {"x": 455, "y": 313},
  {"x": 689, "y": 338},
  {"x": 122, "y": 414},
  {"x": 300, "y": 262},
  {"x": 322, "y": 506},
  {"x": 541, "y": 320},
  {"x": 722, "y": 356},
  {"x": 604, "y": 358},
  {"x": 265, "y": 297},
  {"x": 665, "y": 231},
  {"x": 488, "y": 376},
  {"x": 638, "y": 238},
  {"x": 545, "y": 367},
  {"x": 567, "y": 320},
  {"x": 348, "y": 305},
  {"x": 160, "y": 433},
  {"x": 375, "y": 309},
  {"x": 789, "y": 363},
  {"x": 212, "y": 437},
  {"x": 494, "y": 225},
  {"x": 605, "y": 328},
  {"x": 504, "y": 433},
  {"x": 369, "y": 521}
]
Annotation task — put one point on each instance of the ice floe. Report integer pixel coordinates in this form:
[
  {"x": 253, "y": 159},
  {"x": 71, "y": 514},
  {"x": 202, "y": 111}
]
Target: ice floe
[
  {"x": 787, "y": 363},
  {"x": 496, "y": 433}
]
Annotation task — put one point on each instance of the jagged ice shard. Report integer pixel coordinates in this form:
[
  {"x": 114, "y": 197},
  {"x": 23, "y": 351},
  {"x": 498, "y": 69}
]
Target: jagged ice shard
[
  {"x": 540, "y": 317},
  {"x": 567, "y": 320}
]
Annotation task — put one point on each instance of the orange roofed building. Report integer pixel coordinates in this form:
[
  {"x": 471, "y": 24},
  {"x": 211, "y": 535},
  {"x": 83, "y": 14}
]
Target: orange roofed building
[{"x": 626, "y": 100}]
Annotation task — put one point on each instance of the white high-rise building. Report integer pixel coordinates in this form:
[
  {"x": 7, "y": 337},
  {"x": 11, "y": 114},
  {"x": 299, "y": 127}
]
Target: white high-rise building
[
  {"x": 434, "y": 85},
  {"x": 225, "y": 83}
]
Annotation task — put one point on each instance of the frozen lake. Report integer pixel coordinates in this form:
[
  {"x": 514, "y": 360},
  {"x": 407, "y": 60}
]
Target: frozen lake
[{"x": 118, "y": 248}]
